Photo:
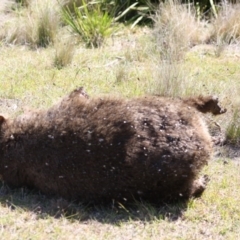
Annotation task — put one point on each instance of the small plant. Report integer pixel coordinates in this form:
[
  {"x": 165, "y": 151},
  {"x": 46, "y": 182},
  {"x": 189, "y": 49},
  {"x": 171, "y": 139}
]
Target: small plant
[
  {"x": 90, "y": 23},
  {"x": 233, "y": 129},
  {"x": 46, "y": 27},
  {"x": 122, "y": 73},
  {"x": 170, "y": 80},
  {"x": 35, "y": 25},
  {"x": 64, "y": 54},
  {"x": 175, "y": 29},
  {"x": 172, "y": 37}
]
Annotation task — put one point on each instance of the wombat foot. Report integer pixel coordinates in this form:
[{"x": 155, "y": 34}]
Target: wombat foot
[{"x": 199, "y": 186}]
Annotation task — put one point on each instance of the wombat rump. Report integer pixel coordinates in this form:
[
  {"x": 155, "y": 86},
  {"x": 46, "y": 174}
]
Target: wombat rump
[{"x": 105, "y": 149}]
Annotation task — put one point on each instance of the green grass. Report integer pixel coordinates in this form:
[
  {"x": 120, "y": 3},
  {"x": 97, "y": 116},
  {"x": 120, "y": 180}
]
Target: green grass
[
  {"x": 29, "y": 79},
  {"x": 127, "y": 65},
  {"x": 233, "y": 129},
  {"x": 214, "y": 216},
  {"x": 88, "y": 21}
]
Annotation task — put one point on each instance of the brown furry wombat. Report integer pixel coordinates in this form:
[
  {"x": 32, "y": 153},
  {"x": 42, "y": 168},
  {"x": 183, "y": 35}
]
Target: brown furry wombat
[{"x": 99, "y": 150}]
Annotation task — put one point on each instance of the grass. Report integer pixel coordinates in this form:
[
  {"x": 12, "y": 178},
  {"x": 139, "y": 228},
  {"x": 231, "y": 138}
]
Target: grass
[
  {"x": 89, "y": 22},
  {"x": 227, "y": 24},
  {"x": 233, "y": 129},
  {"x": 214, "y": 216},
  {"x": 64, "y": 53},
  {"x": 35, "y": 24},
  {"x": 31, "y": 80},
  {"x": 128, "y": 64},
  {"x": 173, "y": 39}
]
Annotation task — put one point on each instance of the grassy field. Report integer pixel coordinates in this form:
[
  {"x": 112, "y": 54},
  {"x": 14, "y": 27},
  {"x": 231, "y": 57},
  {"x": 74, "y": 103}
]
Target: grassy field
[{"x": 128, "y": 65}]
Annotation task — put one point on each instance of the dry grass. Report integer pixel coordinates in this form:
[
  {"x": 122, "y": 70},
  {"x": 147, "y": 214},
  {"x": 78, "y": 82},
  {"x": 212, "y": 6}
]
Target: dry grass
[
  {"x": 176, "y": 28},
  {"x": 36, "y": 24},
  {"x": 64, "y": 52},
  {"x": 226, "y": 27}
]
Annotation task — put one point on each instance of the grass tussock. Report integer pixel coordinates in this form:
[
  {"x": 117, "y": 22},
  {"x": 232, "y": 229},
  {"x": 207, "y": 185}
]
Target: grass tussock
[
  {"x": 35, "y": 25},
  {"x": 233, "y": 128},
  {"x": 64, "y": 53},
  {"x": 170, "y": 80},
  {"x": 173, "y": 38},
  {"x": 46, "y": 27},
  {"x": 176, "y": 28},
  {"x": 226, "y": 26}
]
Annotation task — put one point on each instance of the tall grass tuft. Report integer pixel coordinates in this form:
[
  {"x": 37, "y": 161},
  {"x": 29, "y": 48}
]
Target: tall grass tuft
[
  {"x": 176, "y": 29},
  {"x": 169, "y": 80},
  {"x": 64, "y": 53},
  {"x": 35, "y": 25},
  {"x": 46, "y": 24},
  {"x": 226, "y": 26},
  {"x": 233, "y": 128},
  {"x": 90, "y": 23}
]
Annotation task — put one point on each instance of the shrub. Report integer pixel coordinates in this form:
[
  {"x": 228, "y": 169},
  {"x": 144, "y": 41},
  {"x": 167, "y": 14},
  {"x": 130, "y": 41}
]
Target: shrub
[{"x": 90, "y": 23}]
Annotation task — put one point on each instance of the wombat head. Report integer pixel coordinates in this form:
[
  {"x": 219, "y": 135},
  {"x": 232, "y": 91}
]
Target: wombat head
[
  {"x": 79, "y": 92},
  {"x": 211, "y": 104},
  {"x": 2, "y": 120},
  {"x": 205, "y": 104}
]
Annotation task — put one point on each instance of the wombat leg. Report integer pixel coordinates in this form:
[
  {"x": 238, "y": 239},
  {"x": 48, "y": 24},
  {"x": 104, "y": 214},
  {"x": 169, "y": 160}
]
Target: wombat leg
[{"x": 199, "y": 186}]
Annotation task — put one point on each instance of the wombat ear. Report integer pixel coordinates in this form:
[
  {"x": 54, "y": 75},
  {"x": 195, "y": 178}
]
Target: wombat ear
[{"x": 2, "y": 119}]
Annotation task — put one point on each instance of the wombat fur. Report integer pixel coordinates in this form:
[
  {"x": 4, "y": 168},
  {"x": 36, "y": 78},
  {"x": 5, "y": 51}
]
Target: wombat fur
[{"x": 104, "y": 149}]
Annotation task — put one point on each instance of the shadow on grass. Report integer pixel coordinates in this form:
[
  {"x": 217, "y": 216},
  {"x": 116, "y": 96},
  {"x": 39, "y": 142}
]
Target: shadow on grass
[{"x": 25, "y": 200}]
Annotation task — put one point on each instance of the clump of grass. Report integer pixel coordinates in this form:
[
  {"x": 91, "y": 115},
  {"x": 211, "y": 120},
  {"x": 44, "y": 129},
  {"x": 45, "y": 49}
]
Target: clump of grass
[
  {"x": 46, "y": 24},
  {"x": 64, "y": 53},
  {"x": 122, "y": 73},
  {"x": 90, "y": 23},
  {"x": 15, "y": 31},
  {"x": 46, "y": 29},
  {"x": 170, "y": 80},
  {"x": 233, "y": 128},
  {"x": 175, "y": 29},
  {"x": 35, "y": 25},
  {"x": 226, "y": 26}
]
